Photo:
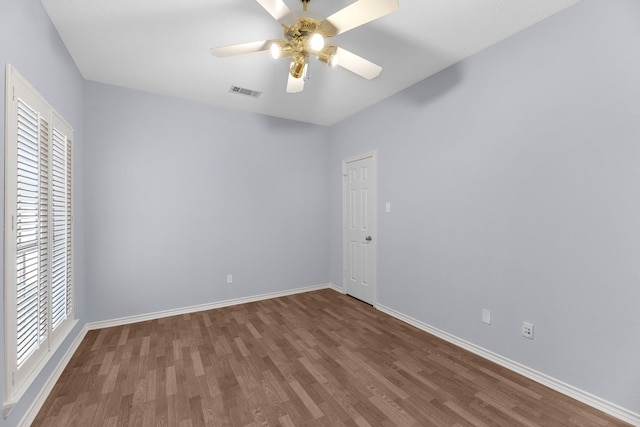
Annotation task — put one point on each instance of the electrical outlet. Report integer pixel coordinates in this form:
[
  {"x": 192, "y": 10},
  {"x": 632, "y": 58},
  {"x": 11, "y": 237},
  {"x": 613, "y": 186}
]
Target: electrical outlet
[
  {"x": 527, "y": 330},
  {"x": 486, "y": 316},
  {"x": 229, "y": 278}
]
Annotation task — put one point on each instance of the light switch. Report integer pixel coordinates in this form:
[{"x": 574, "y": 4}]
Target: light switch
[
  {"x": 387, "y": 207},
  {"x": 486, "y": 316}
]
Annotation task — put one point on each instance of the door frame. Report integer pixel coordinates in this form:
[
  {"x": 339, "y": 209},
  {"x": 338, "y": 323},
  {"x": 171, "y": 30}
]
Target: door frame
[{"x": 374, "y": 223}]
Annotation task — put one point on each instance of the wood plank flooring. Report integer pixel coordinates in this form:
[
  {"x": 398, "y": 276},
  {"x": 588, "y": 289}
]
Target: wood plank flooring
[{"x": 312, "y": 359}]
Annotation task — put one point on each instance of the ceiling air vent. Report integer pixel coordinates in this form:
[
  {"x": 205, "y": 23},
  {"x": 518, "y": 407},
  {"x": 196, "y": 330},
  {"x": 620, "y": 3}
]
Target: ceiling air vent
[{"x": 244, "y": 91}]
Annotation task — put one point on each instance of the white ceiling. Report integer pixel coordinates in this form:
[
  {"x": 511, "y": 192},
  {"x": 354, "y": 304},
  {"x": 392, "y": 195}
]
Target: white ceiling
[{"x": 163, "y": 46}]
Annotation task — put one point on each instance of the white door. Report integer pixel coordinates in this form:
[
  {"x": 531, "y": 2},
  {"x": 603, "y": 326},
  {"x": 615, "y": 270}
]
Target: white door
[{"x": 359, "y": 249}]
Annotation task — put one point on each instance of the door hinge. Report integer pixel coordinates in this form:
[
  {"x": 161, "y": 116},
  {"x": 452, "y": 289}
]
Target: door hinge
[
  {"x": 13, "y": 378},
  {"x": 13, "y": 222},
  {"x": 13, "y": 92}
]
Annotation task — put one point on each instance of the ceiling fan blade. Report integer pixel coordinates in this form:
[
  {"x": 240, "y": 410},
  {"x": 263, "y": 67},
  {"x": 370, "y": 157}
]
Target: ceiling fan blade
[
  {"x": 241, "y": 49},
  {"x": 278, "y": 10},
  {"x": 356, "y": 64},
  {"x": 296, "y": 85},
  {"x": 356, "y": 14}
]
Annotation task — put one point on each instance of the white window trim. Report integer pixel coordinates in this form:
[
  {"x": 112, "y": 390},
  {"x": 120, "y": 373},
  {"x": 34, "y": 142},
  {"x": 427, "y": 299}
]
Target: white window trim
[{"x": 16, "y": 385}]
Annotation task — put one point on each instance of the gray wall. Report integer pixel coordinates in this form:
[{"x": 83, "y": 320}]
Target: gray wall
[
  {"x": 514, "y": 179},
  {"x": 29, "y": 42},
  {"x": 181, "y": 194}
]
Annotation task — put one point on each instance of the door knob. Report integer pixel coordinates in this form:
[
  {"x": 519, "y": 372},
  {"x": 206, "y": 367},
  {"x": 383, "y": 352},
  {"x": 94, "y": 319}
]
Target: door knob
[{"x": 368, "y": 238}]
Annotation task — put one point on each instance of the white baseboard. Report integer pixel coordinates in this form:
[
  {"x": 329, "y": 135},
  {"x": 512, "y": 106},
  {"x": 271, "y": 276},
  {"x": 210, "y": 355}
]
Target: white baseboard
[
  {"x": 337, "y": 288},
  {"x": 564, "y": 388},
  {"x": 201, "y": 307},
  {"x": 36, "y": 405}
]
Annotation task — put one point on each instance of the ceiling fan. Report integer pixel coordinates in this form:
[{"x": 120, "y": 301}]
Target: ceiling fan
[{"x": 305, "y": 36}]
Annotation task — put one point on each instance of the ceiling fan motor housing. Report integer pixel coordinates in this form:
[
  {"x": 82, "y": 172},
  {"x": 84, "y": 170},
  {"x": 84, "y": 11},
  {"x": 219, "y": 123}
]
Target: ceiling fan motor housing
[{"x": 299, "y": 35}]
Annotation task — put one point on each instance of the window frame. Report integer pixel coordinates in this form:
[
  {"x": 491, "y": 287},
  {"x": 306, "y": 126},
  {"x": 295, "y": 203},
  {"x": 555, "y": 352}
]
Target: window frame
[{"x": 17, "y": 379}]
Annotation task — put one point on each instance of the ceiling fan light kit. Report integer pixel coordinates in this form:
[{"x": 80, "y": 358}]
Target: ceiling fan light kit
[
  {"x": 297, "y": 66},
  {"x": 306, "y": 36}
]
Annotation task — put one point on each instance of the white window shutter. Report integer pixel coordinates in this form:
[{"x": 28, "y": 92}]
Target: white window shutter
[
  {"x": 69, "y": 231},
  {"x": 59, "y": 228},
  {"x": 28, "y": 240},
  {"x": 38, "y": 235},
  {"x": 44, "y": 230}
]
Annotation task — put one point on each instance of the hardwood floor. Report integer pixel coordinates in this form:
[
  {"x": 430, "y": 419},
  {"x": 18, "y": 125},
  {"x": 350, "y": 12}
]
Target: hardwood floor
[{"x": 313, "y": 359}]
